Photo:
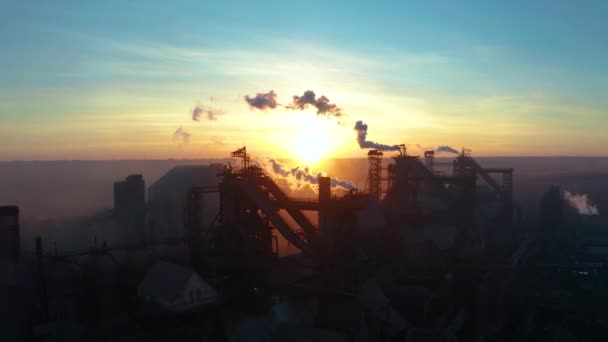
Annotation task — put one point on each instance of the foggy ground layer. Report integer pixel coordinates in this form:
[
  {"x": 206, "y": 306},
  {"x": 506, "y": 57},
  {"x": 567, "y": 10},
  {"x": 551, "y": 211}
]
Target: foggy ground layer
[{"x": 54, "y": 191}]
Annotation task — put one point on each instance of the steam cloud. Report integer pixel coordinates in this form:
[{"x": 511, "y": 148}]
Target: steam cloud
[
  {"x": 262, "y": 101},
  {"x": 324, "y": 107},
  {"x": 180, "y": 136},
  {"x": 581, "y": 203},
  {"x": 202, "y": 110},
  {"x": 298, "y": 177},
  {"x": 361, "y": 129},
  {"x": 447, "y": 149}
]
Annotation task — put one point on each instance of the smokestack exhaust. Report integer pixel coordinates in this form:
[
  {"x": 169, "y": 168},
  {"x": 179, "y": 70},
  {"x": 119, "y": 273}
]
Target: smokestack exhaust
[{"x": 361, "y": 129}]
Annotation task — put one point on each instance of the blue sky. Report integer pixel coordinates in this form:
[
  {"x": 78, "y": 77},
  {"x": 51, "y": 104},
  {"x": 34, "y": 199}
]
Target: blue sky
[{"x": 114, "y": 79}]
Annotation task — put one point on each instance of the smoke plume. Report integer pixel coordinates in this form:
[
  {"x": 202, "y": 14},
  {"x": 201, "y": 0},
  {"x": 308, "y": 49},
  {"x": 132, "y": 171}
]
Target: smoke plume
[
  {"x": 324, "y": 107},
  {"x": 202, "y": 110},
  {"x": 447, "y": 149},
  {"x": 262, "y": 101},
  {"x": 298, "y": 177},
  {"x": 581, "y": 203},
  {"x": 425, "y": 148},
  {"x": 181, "y": 137},
  {"x": 361, "y": 129}
]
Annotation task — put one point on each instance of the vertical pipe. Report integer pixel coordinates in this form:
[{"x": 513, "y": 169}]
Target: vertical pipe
[
  {"x": 324, "y": 199},
  {"x": 44, "y": 302}
]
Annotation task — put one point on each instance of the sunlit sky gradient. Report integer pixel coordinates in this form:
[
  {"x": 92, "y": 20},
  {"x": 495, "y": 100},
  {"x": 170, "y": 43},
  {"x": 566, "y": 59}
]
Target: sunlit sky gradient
[{"x": 115, "y": 79}]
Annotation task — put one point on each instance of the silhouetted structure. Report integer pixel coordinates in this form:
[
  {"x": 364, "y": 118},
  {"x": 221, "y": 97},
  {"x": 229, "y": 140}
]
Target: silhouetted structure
[
  {"x": 130, "y": 207},
  {"x": 10, "y": 240},
  {"x": 551, "y": 231},
  {"x": 10, "y": 249},
  {"x": 374, "y": 178},
  {"x": 429, "y": 158},
  {"x": 423, "y": 268}
]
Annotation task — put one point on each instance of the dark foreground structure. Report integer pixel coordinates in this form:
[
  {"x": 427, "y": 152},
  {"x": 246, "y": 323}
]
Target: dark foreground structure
[{"x": 428, "y": 251}]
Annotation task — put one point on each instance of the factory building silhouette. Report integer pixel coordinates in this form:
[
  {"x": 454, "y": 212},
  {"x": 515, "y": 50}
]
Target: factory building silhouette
[{"x": 428, "y": 249}]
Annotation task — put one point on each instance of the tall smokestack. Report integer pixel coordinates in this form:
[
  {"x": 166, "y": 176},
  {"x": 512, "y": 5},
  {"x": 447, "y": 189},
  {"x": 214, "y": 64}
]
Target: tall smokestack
[
  {"x": 429, "y": 157},
  {"x": 324, "y": 199},
  {"x": 324, "y": 189}
]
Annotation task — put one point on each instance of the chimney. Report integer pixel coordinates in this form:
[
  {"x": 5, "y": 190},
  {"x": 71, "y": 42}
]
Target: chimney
[
  {"x": 324, "y": 199},
  {"x": 429, "y": 157}
]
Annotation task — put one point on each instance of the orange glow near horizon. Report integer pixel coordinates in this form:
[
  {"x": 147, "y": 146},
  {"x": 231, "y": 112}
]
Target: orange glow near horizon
[{"x": 310, "y": 150}]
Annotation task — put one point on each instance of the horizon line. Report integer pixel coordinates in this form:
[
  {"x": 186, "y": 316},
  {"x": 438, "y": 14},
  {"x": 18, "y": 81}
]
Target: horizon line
[{"x": 280, "y": 158}]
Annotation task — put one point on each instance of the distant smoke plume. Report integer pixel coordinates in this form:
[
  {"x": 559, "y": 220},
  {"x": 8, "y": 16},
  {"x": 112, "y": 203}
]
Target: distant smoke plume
[
  {"x": 181, "y": 137},
  {"x": 262, "y": 101},
  {"x": 298, "y": 176},
  {"x": 361, "y": 129},
  {"x": 324, "y": 107},
  {"x": 425, "y": 148},
  {"x": 581, "y": 203},
  {"x": 201, "y": 111},
  {"x": 447, "y": 149},
  {"x": 217, "y": 141}
]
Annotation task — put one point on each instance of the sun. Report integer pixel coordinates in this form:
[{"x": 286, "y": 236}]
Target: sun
[{"x": 309, "y": 148}]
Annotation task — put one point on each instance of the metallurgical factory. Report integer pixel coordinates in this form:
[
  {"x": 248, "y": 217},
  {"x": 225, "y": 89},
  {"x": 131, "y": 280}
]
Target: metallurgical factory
[{"x": 428, "y": 249}]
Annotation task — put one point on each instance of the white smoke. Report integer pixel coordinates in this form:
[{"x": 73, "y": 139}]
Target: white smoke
[
  {"x": 300, "y": 176},
  {"x": 581, "y": 203}
]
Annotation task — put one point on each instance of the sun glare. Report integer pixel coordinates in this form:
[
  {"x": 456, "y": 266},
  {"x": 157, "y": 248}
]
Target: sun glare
[{"x": 310, "y": 148}]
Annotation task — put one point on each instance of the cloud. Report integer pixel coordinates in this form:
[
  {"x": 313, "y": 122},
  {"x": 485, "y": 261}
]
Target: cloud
[
  {"x": 322, "y": 104},
  {"x": 581, "y": 203},
  {"x": 262, "y": 101},
  {"x": 201, "y": 111},
  {"x": 361, "y": 129},
  {"x": 181, "y": 136}
]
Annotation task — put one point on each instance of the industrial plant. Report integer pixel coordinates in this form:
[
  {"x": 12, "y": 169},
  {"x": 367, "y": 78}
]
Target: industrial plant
[{"x": 428, "y": 249}]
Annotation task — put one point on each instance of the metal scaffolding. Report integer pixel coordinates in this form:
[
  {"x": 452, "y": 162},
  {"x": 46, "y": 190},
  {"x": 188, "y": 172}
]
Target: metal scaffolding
[{"x": 375, "y": 173}]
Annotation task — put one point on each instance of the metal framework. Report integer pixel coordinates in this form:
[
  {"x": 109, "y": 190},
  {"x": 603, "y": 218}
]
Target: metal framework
[
  {"x": 429, "y": 158},
  {"x": 242, "y": 154},
  {"x": 375, "y": 173}
]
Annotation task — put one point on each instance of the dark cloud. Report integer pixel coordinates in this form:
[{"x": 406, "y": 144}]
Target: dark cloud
[
  {"x": 322, "y": 104},
  {"x": 424, "y": 148},
  {"x": 262, "y": 101},
  {"x": 447, "y": 149},
  {"x": 361, "y": 129},
  {"x": 181, "y": 136},
  {"x": 201, "y": 111}
]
